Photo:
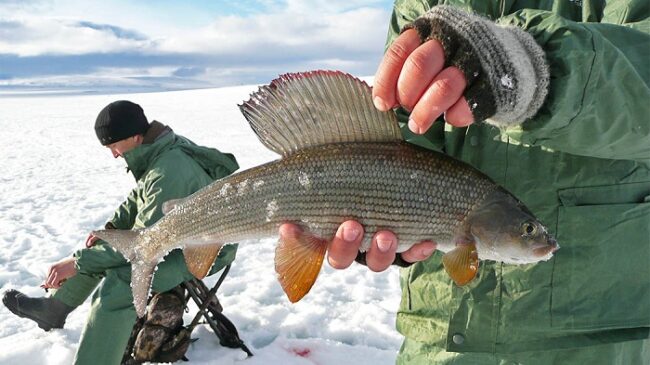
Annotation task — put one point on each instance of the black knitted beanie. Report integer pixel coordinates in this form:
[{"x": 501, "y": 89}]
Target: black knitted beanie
[{"x": 119, "y": 120}]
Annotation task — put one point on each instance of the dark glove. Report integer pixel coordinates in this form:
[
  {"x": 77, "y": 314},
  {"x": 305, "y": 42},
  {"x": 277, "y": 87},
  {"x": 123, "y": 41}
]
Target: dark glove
[
  {"x": 399, "y": 261},
  {"x": 506, "y": 71}
]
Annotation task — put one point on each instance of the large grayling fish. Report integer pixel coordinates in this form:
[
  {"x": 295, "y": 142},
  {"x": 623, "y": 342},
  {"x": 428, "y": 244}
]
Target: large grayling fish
[{"x": 341, "y": 159}]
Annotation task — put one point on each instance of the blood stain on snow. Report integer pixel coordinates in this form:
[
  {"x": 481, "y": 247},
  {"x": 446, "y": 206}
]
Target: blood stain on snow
[{"x": 301, "y": 352}]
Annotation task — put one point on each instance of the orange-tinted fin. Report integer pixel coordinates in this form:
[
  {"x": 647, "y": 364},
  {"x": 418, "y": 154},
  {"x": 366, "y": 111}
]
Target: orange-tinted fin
[
  {"x": 461, "y": 263},
  {"x": 298, "y": 261},
  {"x": 199, "y": 259}
]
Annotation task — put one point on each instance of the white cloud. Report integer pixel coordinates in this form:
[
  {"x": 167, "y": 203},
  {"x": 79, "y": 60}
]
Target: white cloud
[
  {"x": 257, "y": 38},
  {"x": 36, "y": 36},
  {"x": 298, "y": 24}
]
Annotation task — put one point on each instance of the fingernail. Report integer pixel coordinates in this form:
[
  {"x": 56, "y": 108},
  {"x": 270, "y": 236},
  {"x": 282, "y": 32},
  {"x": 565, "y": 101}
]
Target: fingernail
[
  {"x": 415, "y": 128},
  {"x": 350, "y": 234},
  {"x": 384, "y": 245},
  {"x": 427, "y": 251},
  {"x": 380, "y": 103}
]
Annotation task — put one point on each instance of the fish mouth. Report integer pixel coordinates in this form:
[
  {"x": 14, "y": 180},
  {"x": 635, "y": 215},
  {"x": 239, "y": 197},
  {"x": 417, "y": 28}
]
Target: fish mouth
[{"x": 546, "y": 249}]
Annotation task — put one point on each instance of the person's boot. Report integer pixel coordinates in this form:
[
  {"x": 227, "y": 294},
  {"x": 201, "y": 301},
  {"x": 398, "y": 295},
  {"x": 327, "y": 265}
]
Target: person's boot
[{"x": 47, "y": 312}]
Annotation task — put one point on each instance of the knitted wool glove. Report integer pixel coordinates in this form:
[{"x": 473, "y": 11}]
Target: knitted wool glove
[{"x": 506, "y": 71}]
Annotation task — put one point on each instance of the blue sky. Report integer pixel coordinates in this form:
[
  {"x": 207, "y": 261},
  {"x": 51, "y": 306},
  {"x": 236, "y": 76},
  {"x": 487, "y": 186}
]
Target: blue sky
[{"x": 158, "y": 45}]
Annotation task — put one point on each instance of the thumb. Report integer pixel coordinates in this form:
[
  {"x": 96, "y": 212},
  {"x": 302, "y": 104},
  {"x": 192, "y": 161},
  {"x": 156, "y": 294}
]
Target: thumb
[
  {"x": 419, "y": 252},
  {"x": 90, "y": 241}
]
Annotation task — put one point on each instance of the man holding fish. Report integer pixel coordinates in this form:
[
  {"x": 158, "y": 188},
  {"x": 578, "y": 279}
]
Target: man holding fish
[
  {"x": 526, "y": 104},
  {"x": 581, "y": 163}
]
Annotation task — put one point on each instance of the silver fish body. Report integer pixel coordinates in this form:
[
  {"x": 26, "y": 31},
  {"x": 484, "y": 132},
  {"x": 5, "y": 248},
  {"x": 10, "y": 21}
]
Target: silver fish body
[{"x": 417, "y": 194}]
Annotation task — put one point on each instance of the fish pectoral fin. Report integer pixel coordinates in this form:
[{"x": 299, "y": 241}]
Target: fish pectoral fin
[
  {"x": 199, "y": 259},
  {"x": 141, "y": 277},
  {"x": 461, "y": 263},
  {"x": 298, "y": 260}
]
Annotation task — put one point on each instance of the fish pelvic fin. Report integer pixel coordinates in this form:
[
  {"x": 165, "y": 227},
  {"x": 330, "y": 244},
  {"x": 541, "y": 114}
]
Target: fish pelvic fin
[
  {"x": 199, "y": 259},
  {"x": 461, "y": 263},
  {"x": 141, "y": 277},
  {"x": 124, "y": 241},
  {"x": 298, "y": 259},
  {"x": 308, "y": 109}
]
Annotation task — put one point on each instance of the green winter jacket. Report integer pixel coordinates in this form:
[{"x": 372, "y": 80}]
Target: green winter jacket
[
  {"x": 166, "y": 166},
  {"x": 582, "y": 165}
]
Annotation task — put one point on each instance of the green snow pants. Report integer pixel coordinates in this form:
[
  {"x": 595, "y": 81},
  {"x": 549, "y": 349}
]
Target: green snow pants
[{"x": 112, "y": 314}]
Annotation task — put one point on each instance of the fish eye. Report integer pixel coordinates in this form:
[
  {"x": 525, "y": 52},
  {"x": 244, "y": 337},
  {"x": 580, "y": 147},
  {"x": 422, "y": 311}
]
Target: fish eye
[{"x": 528, "y": 229}]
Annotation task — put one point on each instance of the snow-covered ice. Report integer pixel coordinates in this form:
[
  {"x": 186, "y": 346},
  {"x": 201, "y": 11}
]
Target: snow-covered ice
[{"x": 57, "y": 184}]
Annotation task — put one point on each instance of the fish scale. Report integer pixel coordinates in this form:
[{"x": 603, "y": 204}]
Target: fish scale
[{"x": 419, "y": 195}]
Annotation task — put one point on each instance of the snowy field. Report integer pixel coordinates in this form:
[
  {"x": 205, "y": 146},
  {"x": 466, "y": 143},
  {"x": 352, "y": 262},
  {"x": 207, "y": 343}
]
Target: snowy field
[{"x": 58, "y": 183}]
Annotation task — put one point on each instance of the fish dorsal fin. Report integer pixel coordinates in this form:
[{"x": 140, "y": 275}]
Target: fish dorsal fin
[
  {"x": 308, "y": 109},
  {"x": 199, "y": 259}
]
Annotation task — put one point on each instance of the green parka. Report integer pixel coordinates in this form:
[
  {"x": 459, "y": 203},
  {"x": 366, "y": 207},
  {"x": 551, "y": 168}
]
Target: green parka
[
  {"x": 582, "y": 165},
  {"x": 166, "y": 166}
]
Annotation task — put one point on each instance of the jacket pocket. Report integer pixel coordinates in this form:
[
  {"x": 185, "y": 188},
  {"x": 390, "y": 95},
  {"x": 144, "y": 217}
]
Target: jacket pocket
[{"x": 601, "y": 274}]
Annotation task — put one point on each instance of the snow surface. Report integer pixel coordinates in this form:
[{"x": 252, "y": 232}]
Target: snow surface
[{"x": 57, "y": 184}]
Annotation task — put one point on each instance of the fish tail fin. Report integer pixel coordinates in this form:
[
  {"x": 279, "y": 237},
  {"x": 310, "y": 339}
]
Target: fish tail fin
[
  {"x": 141, "y": 277},
  {"x": 142, "y": 269},
  {"x": 124, "y": 241},
  {"x": 298, "y": 259}
]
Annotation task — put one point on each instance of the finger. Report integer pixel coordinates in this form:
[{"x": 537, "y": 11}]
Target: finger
[
  {"x": 385, "y": 83},
  {"x": 289, "y": 230},
  {"x": 52, "y": 280},
  {"x": 419, "y": 252},
  {"x": 445, "y": 90},
  {"x": 382, "y": 251},
  {"x": 459, "y": 115},
  {"x": 421, "y": 66},
  {"x": 344, "y": 247},
  {"x": 49, "y": 278},
  {"x": 90, "y": 241},
  {"x": 57, "y": 283}
]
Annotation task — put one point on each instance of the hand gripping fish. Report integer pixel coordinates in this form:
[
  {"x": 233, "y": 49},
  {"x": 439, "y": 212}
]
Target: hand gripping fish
[{"x": 341, "y": 159}]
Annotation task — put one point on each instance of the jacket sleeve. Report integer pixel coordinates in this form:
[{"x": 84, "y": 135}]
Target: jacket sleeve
[
  {"x": 158, "y": 188},
  {"x": 124, "y": 216},
  {"x": 97, "y": 259},
  {"x": 599, "y": 99},
  {"x": 600, "y": 83}
]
